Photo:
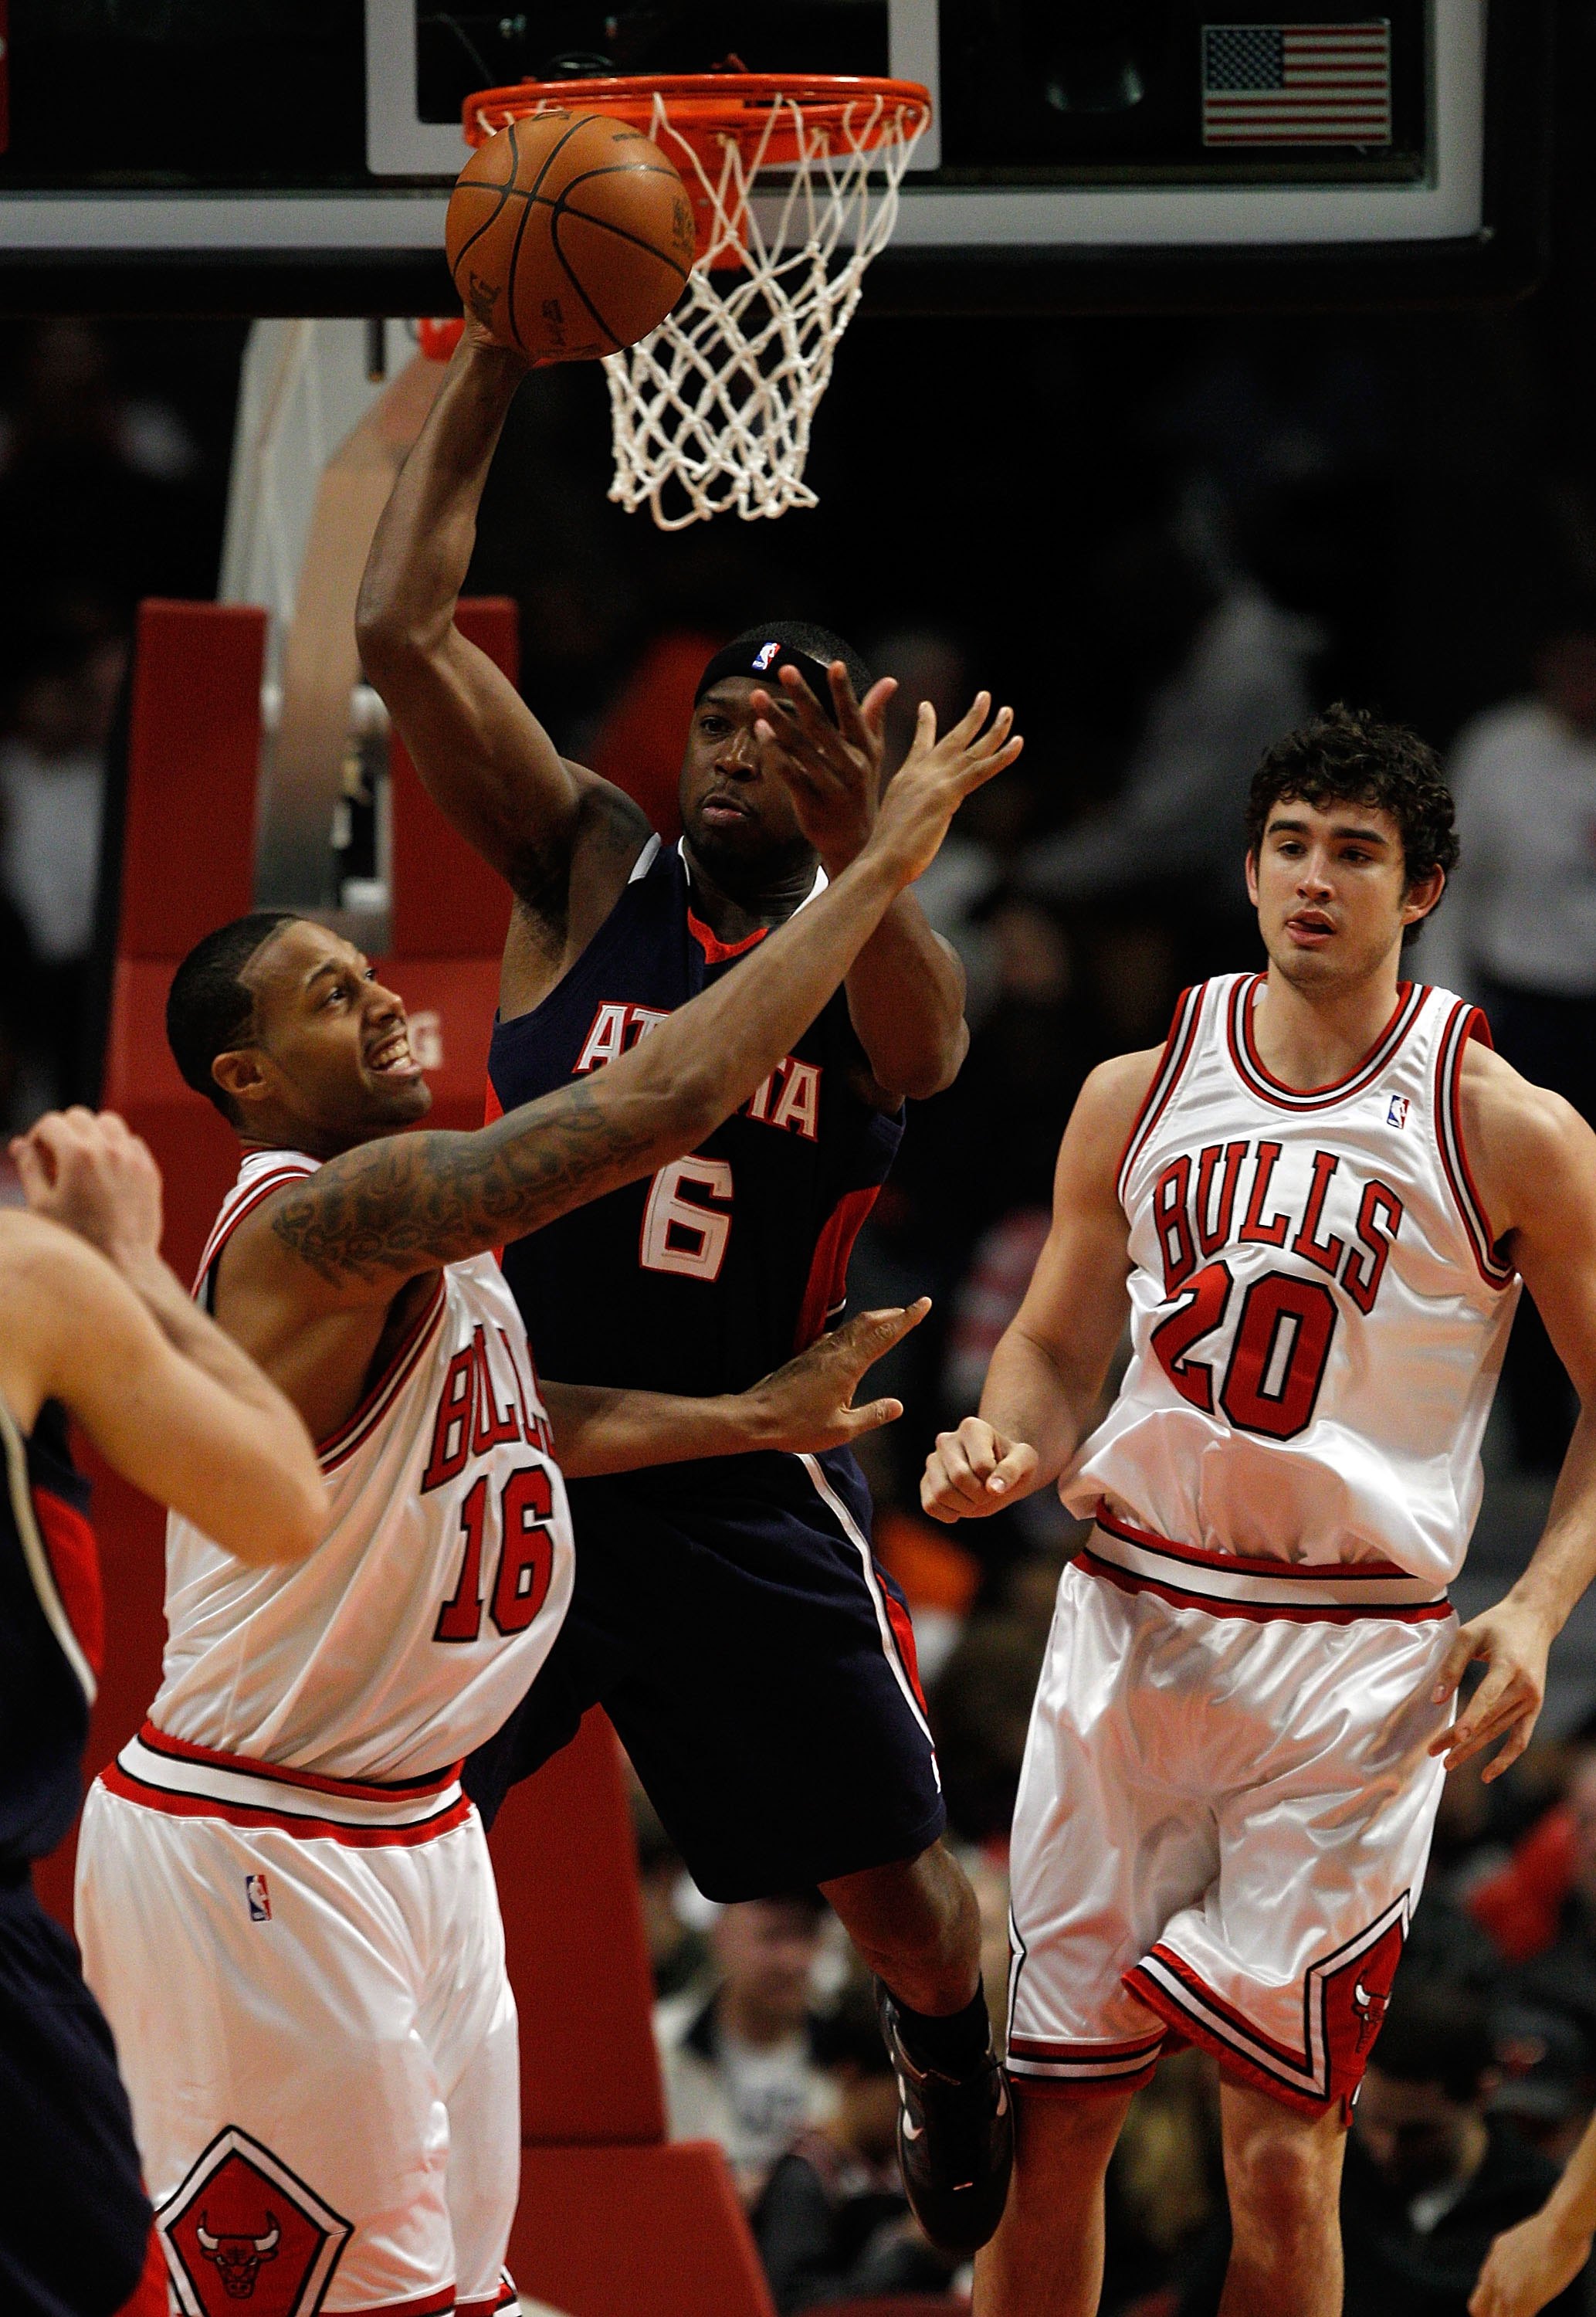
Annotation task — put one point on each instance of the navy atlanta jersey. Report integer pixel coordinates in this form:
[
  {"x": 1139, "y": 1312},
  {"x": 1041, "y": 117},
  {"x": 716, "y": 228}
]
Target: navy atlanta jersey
[
  {"x": 721, "y": 1265},
  {"x": 50, "y": 1627}
]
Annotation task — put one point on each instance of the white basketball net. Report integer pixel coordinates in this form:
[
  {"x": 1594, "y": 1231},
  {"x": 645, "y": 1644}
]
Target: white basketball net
[{"x": 719, "y": 400}]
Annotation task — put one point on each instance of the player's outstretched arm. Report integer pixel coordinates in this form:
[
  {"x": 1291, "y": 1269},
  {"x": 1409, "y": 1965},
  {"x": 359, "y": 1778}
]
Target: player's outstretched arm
[
  {"x": 1534, "y": 1160},
  {"x": 482, "y": 754},
  {"x": 804, "y": 1408},
  {"x": 97, "y": 1321},
  {"x": 1048, "y": 1371},
  {"x": 388, "y": 1210},
  {"x": 1528, "y": 2266},
  {"x": 906, "y": 993}
]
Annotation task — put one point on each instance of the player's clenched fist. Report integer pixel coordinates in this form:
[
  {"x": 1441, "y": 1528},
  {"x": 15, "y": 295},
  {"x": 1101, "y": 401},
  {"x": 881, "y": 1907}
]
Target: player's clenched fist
[{"x": 974, "y": 1471}]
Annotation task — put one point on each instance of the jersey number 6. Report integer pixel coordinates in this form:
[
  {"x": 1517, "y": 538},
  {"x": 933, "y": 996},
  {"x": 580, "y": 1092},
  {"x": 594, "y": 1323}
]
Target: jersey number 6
[
  {"x": 526, "y": 1558},
  {"x": 1277, "y": 1362},
  {"x": 678, "y": 1234}
]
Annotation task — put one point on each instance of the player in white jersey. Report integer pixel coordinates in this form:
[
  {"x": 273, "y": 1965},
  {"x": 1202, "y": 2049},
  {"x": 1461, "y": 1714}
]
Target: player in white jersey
[
  {"x": 1317, "y": 1201},
  {"x": 284, "y": 1899}
]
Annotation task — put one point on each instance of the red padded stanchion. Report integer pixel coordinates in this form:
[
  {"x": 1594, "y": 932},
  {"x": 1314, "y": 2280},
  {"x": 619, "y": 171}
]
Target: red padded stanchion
[
  {"x": 447, "y": 902},
  {"x": 635, "y": 2232}
]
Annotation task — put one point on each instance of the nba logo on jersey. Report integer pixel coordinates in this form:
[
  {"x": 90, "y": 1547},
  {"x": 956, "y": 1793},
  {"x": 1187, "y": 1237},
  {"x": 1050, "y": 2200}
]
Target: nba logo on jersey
[
  {"x": 258, "y": 1897},
  {"x": 1398, "y": 1113},
  {"x": 765, "y": 655}
]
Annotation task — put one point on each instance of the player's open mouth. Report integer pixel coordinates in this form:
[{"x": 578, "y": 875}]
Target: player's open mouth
[
  {"x": 724, "y": 807},
  {"x": 1312, "y": 930},
  {"x": 393, "y": 1058}
]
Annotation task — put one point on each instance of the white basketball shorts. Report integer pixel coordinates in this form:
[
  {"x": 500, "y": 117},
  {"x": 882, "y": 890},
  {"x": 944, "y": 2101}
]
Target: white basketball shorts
[
  {"x": 306, "y": 1980},
  {"x": 1224, "y": 1817}
]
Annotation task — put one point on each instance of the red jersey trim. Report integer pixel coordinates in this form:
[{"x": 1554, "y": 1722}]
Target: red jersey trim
[
  {"x": 1465, "y": 1022},
  {"x": 1172, "y": 1067},
  {"x": 225, "y": 1224},
  {"x": 249, "y": 1765},
  {"x": 1259, "y": 1081},
  {"x": 1256, "y": 1612},
  {"x": 715, "y": 951},
  {"x": 1314, "y": 1572},
  {"x": 121, "y": 1782},
  {"x": 828, "y": 1269},
  {"x": 339, "y": 1446}
]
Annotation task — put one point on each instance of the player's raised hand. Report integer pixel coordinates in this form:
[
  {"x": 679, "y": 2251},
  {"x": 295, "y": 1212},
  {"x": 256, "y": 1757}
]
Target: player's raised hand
[
  {"x": 974, "y": 1472},
  {"x": 1513, "y": 1640},
  {"x": 831, "y": 772},
  {"x": 934, "y": 779},
  {"x": 1528, "y": 2266},
  {"x": 89, "y": 1171},
  {"x": 808, "y": 1404}
]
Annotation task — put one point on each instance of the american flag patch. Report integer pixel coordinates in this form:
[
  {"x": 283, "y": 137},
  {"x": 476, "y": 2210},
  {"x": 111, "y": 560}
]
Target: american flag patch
[{"x": 1296, "y": 83}]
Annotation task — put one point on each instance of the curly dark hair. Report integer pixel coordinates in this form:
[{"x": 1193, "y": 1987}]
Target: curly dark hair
[{"x": 1349, "y": 755}]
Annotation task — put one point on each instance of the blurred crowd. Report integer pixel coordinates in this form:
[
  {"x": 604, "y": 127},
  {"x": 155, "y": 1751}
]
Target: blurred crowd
[{"x": 1166, "y": 543}]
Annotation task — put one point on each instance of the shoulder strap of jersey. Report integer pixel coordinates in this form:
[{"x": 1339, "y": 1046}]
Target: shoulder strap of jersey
[
  {"x": 257, "y": 1180},
  {"x": 1462, "y": 1023},
  {"x": 1178, "y": 1049}
]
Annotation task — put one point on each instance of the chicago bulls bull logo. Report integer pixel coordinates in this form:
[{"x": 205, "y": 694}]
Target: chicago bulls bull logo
[
  {"x": 239, "y": 2258},
  {"x": 1369, "y": 2004},
  {"x": 245, "y": 2237}
]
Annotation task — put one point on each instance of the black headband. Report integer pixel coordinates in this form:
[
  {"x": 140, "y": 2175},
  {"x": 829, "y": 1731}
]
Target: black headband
[{"x": 764, "y": 660}]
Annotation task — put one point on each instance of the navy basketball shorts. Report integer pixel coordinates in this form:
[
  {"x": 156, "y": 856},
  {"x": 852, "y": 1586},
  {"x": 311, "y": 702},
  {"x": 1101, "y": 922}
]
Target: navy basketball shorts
[
  {"x": 757, "y": 1664},
  {"x": 74, "y": 2223}
]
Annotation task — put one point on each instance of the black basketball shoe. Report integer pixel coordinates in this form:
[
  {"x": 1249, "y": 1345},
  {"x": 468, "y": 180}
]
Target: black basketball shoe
[{"x": 955, "y": 2141}]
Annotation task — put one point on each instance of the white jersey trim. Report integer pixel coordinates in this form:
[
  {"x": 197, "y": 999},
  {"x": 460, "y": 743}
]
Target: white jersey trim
[
  {"x": 166, "y": 1774},
  {"x": 1229, "y": 1584},
  {"x": 861, "y": 1544}
]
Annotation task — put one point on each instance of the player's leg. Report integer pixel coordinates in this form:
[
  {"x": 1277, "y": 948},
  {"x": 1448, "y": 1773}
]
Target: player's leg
[
  {"x": 916, "y": 1924},
  {"x": 1047, "y": 2258},
  {"x": 1282, "y": 2172},
  {"x": 469, "y": 2024}
]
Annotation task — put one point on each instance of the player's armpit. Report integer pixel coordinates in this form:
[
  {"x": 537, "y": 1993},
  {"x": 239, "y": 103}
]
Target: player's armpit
[{"x": 243, "y": 1470}]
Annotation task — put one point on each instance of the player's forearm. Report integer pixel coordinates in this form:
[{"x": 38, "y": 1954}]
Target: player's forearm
[
  {"x": 905, "y": 1000},
  {"x": 422, "y": 546},
  {"x": 1030, "y": 1397},
  {"x": 1563, "y": 1562},
  {"x": 391, "y": 1209},
  {"x": 600, "y": 1428},
  {"x": 196, "y": 1339}
]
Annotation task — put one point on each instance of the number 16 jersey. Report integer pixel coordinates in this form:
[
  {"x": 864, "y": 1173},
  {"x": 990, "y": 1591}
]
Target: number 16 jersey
[{"x": 1318, "y": 1311}]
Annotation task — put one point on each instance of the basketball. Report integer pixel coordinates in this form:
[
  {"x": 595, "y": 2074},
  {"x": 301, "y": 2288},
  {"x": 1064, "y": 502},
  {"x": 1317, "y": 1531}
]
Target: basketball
[{"x": 569, "y": 236}]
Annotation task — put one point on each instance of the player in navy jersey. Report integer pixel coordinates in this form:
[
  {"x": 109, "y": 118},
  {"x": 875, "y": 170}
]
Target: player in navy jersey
[
  {"x": 109, "y": 1338},
  {"x": 757, "y": 1664}
]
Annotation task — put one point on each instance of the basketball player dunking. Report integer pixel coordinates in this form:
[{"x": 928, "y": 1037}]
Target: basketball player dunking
[
  {"x": 1318, "y": 1200},
  {"x": 758, "y": 1666},
  {"x": 284, "y": 1899}
]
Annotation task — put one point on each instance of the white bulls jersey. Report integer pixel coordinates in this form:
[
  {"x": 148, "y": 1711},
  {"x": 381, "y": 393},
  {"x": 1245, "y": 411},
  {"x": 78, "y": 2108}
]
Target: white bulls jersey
[
  {"x": 416, "y": 1626},
  {"x": 1318, "y": 1315}
]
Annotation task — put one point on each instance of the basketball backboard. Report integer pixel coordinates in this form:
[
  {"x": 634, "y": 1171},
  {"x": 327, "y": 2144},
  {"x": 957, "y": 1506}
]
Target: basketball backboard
[{"x": 294, "y": 156}]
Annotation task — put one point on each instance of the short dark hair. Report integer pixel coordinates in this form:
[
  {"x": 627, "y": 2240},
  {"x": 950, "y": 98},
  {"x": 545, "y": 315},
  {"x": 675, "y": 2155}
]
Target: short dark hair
[
  {"x": 209, "y": 1009},
  {"x": 1435, "y": 2031},
  {"x": 814, "y": 643},
  {"x": 1348, "y": 755}
]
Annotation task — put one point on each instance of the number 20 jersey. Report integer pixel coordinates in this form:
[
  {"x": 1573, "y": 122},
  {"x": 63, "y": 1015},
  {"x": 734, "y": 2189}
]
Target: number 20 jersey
[
  {"x": 1318, "y": 1312},
  {"x": 415, "y": 1626}
]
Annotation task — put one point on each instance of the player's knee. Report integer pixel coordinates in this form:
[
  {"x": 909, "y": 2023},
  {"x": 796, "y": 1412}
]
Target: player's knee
[{"x": 1282, "y": 2181}]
